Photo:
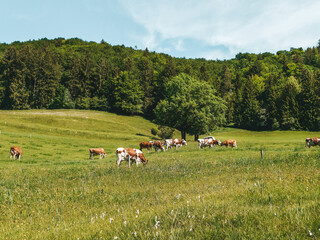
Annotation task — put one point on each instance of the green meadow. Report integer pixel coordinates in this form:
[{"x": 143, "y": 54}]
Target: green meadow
[{"x": 56, "y": 192}]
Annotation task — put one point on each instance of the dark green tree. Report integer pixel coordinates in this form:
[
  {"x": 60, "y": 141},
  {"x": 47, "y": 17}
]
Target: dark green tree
[{"x": 14, "y": 74}]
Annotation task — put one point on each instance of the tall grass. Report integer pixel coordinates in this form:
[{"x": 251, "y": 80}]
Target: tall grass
[{"x": 56, "y": 192}]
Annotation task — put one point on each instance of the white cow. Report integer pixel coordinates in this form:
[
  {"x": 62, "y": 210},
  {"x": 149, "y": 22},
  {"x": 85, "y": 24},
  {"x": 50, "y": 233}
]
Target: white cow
[
  {"x": 175, "y": 142},
  {"x": 208, "y": 142}
]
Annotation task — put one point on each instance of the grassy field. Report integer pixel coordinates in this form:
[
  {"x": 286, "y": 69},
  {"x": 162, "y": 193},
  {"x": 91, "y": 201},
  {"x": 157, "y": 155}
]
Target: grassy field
[{"x": 56, "y": 192}]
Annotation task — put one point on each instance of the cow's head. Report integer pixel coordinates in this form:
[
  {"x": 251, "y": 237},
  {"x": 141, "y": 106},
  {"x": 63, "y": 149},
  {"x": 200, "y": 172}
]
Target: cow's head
[
  {"x": 184, "y": 142},
  {"x": 219, "y": 142},
  {"x": 308, "y": 142}
]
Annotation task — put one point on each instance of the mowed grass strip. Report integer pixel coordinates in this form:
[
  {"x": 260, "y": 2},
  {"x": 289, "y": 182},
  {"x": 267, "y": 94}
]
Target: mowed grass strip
[{"x": 56, "y": 192}]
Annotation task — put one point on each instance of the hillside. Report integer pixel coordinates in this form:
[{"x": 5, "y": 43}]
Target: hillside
[
  {"x": 56, "y": 192},
  {"x": 261, "y": 91}
]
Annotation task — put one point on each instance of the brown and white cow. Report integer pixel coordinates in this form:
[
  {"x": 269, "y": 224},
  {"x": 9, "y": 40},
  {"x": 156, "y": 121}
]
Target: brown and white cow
[
  {"x": 175, "y": 142},
  {"x": 229, "y": 142},
  {"x": 129, "y": 154},
  {"x": 208, "y": 142},
  {"x": 158, "y": 145},
  {"x": 147, "y": 145},
  {"x": 97, "y": 151},
  {"x": 312, "y": 142},
  {"x": 15, "y": 151}
]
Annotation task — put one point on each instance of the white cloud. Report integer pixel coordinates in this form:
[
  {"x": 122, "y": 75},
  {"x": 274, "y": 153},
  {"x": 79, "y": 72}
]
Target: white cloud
[{"x": 241, "y": 26}]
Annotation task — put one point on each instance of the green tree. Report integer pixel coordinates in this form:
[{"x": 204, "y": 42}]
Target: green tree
[
  {"x": 250, "y": 106},
  {"x": 289, "y": 105},
  {"x": 14, "y": 74},
  {"x": 125, "y": 94},
  {"x": 308, "y": 102},
  {"x": 190, "y": 106}
]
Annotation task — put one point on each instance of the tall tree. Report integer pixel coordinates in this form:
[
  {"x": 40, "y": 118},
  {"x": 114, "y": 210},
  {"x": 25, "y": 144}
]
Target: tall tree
[
  {"x": 14, "y": 78},
  {"x": 190, "y": 106}
]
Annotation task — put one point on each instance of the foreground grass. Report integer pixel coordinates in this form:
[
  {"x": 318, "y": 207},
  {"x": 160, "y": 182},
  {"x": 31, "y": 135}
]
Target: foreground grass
[{"x": 55, "y": 192}]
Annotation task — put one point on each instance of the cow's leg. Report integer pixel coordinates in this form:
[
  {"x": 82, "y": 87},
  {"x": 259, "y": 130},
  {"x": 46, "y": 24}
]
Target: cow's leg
[
  {"x": 100, "y": 156},
  {"x": 19, "y": 157},
  {"x": 129, "y": 161}
]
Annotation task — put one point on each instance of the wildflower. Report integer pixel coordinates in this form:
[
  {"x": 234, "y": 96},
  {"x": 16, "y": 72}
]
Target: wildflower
[
  {"x": 179, "y": 195},
  {"x": 92, "y": 219},
  {"x": 190, "y": 228},
  {"x": 125, "y": 223},
  {"x": 110, "y": 220},
  {"x": 135, "y": 234},
  {"x": 171, "y": 211},
  {"x": 115, "y": 237},
  {"x": 199, "y": 198},
  {"x": 310, "y": 233},
  {"x": 203, "y": 216},
  {"x": 157, "y": 222}
]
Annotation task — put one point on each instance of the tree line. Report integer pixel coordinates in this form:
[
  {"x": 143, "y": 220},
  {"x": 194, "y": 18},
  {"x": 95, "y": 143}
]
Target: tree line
[{"x": 254, "y": 91}]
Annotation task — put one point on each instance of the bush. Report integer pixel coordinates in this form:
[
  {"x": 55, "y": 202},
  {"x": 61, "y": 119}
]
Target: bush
[
  {"x": 165, "y": 132},
  {"x": 154, "y": 131}
]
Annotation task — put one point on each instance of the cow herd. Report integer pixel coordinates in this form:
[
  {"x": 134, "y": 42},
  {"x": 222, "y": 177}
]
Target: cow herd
[{"x": 135, "y": 155}]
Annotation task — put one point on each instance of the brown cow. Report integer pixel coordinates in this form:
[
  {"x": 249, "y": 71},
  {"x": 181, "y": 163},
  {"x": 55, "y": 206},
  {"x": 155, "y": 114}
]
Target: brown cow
[
  {"x": 97, "y": 151},
  {"x": 15, "y": 151},
  {"x": 130, "y": 154},
  {"x": 312, "y": 142},
  {"x": 147, "y": 145},
  {"x": 229, "y": 142},
  {"x": 158, "y": 145}
]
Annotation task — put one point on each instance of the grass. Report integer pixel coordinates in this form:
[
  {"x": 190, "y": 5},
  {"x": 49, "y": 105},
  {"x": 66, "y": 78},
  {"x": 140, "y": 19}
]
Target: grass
[{"x": 56, "y": 192}]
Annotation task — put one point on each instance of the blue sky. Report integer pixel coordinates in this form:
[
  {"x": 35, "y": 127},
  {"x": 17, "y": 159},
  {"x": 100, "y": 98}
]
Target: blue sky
[{"x": 216, "y": 29}]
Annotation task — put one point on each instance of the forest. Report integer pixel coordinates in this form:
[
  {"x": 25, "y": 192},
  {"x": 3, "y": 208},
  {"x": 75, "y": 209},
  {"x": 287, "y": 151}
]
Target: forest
[{"x": 263, "y": 91}]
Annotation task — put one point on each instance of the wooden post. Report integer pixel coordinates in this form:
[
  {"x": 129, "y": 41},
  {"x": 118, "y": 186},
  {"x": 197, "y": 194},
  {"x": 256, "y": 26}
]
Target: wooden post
[{"x": 261, "y": 152}]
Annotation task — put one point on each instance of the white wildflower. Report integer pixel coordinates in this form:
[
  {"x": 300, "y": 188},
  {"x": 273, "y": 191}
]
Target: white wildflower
[
  {"x": 171, "y": 211},
  {"x": 310, "y": 233},
  {"x": 157, "y": 222},
  {"x": 125, "y": 223},
  {"x": 110, "y": 220},
  {"x": 179, "y": 195},
  {"x": 115, "y": 237},
  {"x": 190, "y": 228}
]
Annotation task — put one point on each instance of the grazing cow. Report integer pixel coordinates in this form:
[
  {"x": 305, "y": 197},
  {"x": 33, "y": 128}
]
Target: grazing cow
[
  {"x": 158, "y": 145},
  {"x": 147, "y": 145},
  {"x": 97, "y": 151},
  {"x": 15, "y": 151},
  {"x": 129, "y": 154},
  {"x": 312, "y": 142},
  {"x": 208, "y": 142},
  {"x": 230, "y": 142},
  {"x": 175, "y": 142}
]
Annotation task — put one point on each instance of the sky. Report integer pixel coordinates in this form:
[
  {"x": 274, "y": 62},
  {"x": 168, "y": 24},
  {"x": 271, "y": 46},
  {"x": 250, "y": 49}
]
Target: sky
[{"x": 210, "y": 29}]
